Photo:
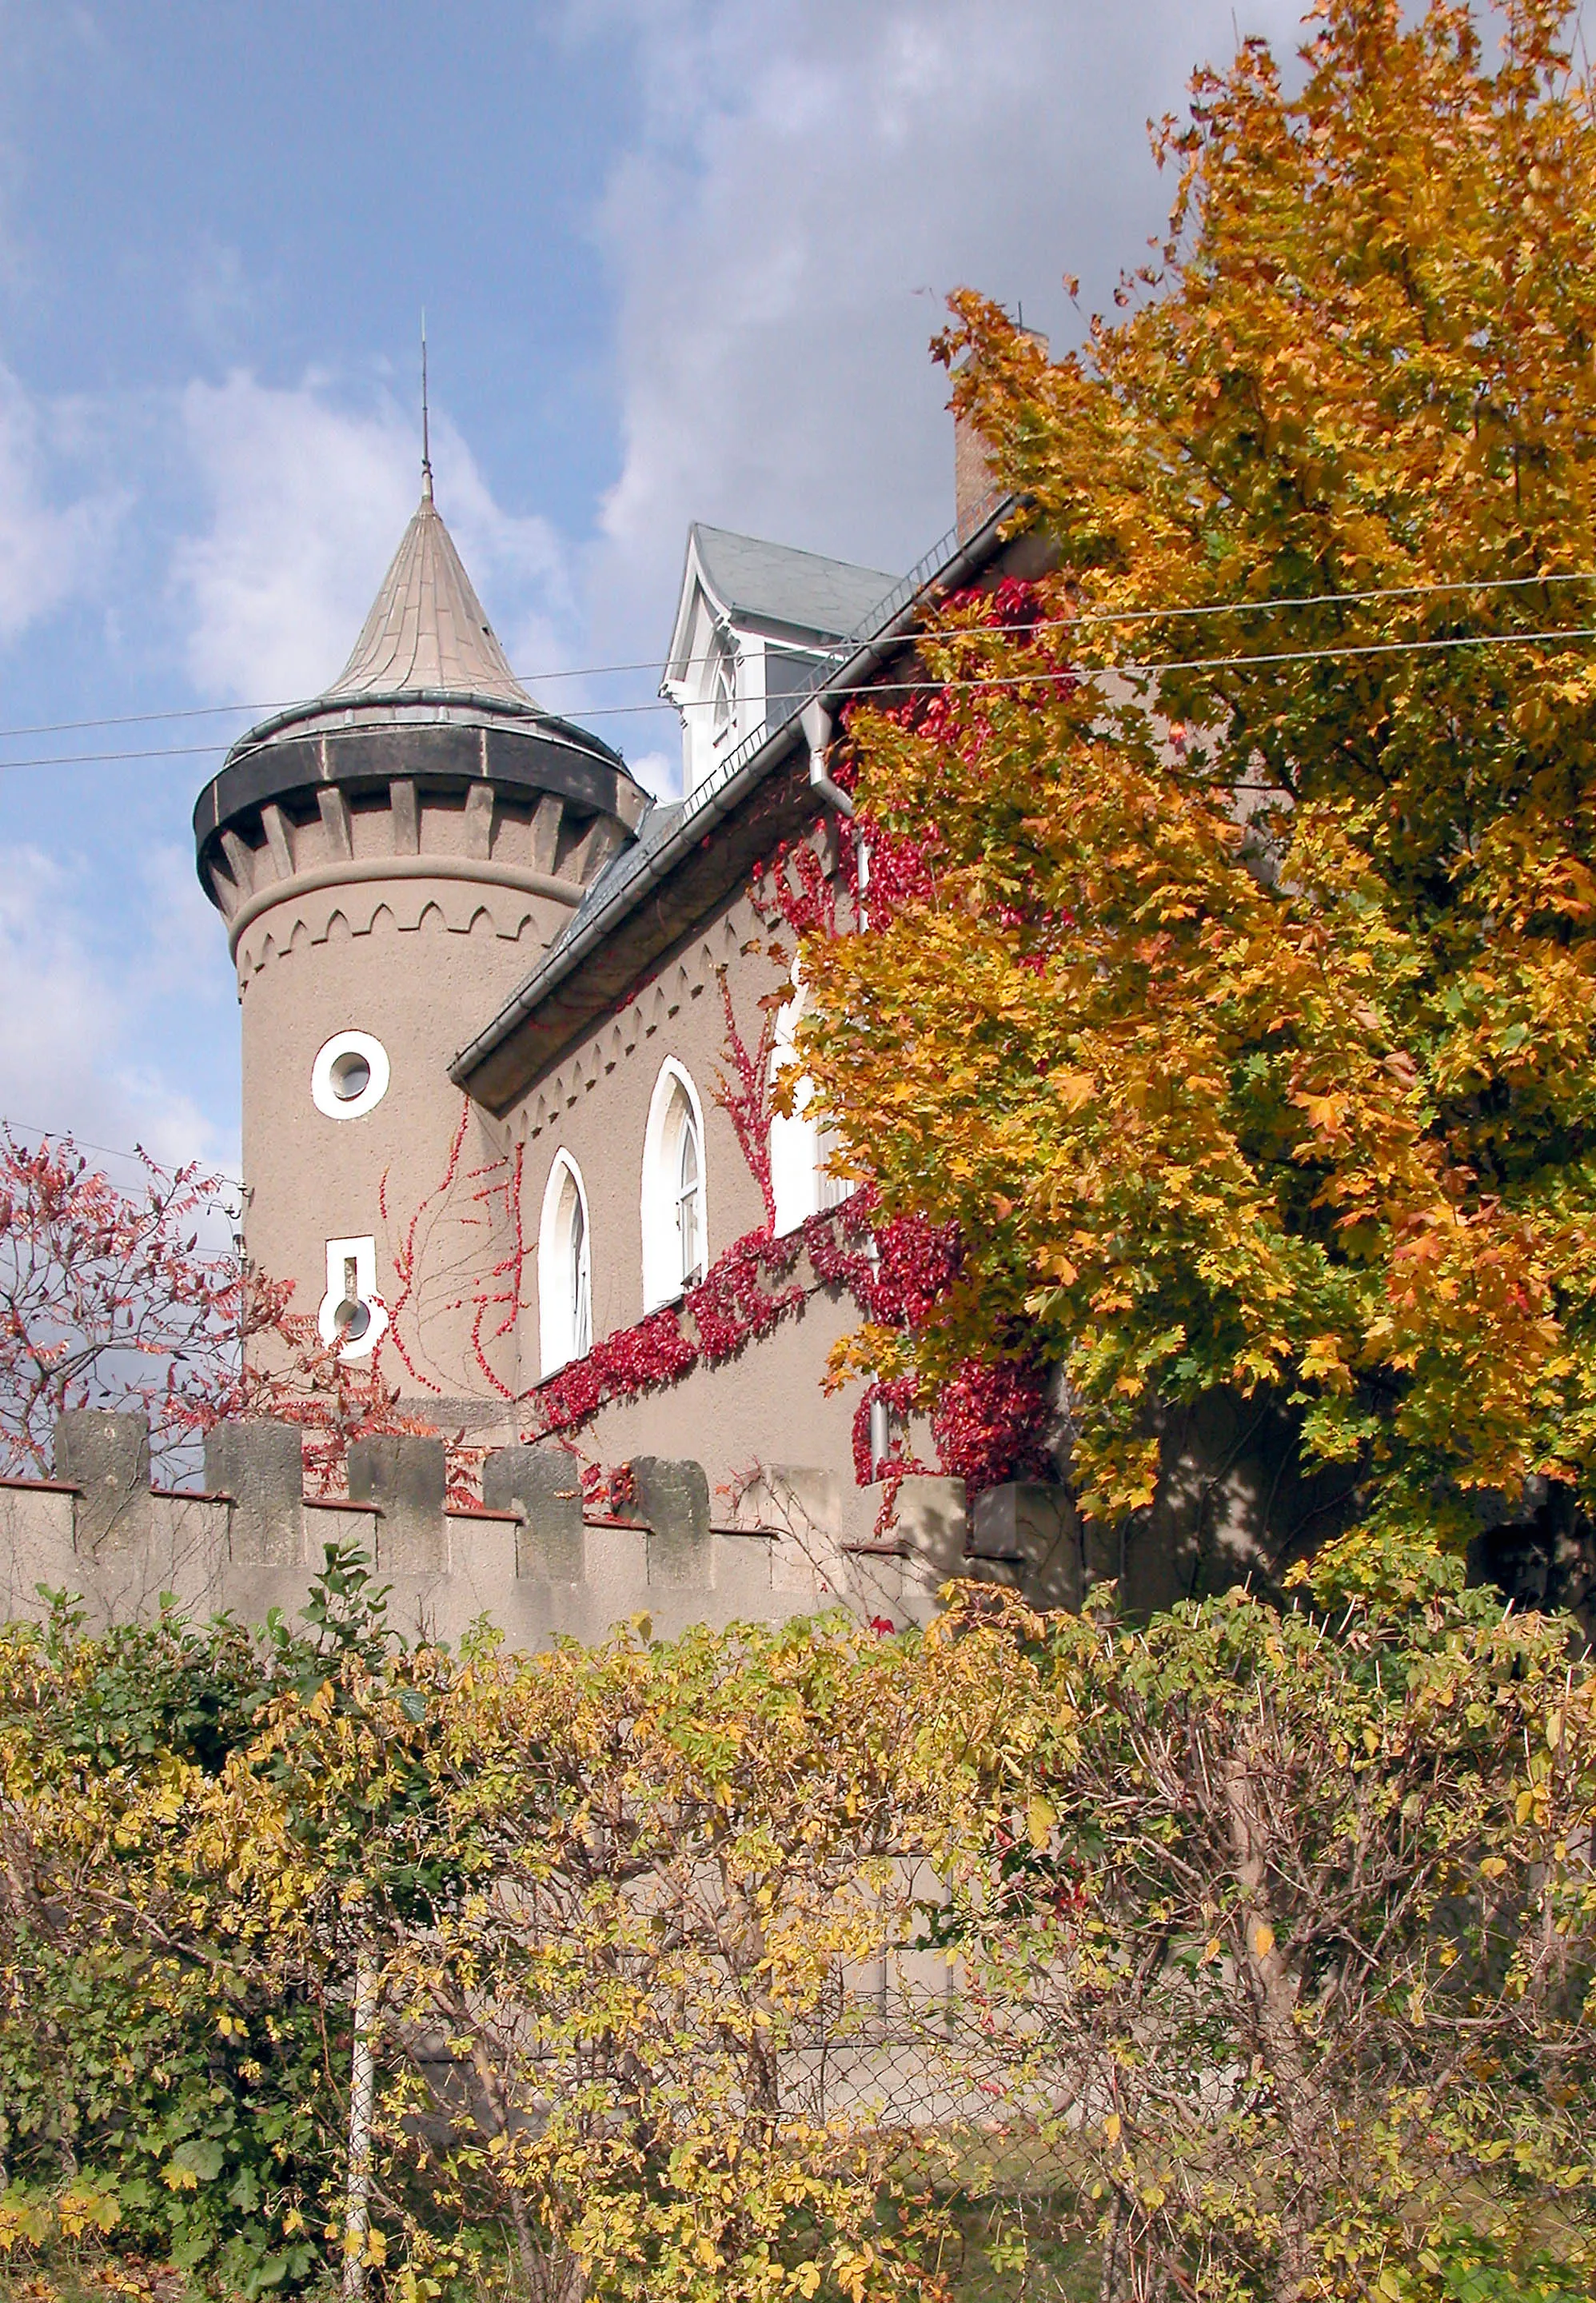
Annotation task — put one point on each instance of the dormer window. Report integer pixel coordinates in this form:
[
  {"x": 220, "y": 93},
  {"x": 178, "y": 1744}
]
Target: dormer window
[
  {"x": 756, "y": 623},
  {"x": 722, "y": 692}
]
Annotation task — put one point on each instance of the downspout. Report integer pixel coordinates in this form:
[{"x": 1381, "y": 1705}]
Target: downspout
[{"x": 817, "y": 723}]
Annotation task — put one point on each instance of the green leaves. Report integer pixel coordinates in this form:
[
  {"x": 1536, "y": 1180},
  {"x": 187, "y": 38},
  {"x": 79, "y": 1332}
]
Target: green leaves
[{"x": 1309, "y": 1930}]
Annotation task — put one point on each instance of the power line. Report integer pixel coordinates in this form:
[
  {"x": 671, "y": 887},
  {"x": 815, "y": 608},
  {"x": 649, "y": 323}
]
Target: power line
[
  {"x": 1148, "y": 669},
  {"x": 839, "y": 653},
  {"x": 137, "y": 1157},
  {"x": 96, "y": 759},
  {"x": 1312, "y": 655},
  {"x": 1313, "y": 600}
]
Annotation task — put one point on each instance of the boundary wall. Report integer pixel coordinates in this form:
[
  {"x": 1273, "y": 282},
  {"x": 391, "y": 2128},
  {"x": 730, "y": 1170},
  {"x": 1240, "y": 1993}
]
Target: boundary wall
[{"x": 531, "y": 1559}]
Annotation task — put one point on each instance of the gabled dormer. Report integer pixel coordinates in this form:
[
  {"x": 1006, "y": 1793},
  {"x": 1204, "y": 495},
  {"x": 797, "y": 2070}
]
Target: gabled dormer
[{"x": 754, "y": 623}]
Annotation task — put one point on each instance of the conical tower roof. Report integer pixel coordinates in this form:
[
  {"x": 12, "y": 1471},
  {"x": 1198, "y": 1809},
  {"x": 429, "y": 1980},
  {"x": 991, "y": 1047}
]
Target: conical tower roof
[
  {"x": 426, "y": 629},
  {"x": 427, "y": 700}
]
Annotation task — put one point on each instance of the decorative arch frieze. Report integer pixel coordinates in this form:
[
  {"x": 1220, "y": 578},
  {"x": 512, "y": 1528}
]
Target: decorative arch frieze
[{"x": 398, "y": 907}]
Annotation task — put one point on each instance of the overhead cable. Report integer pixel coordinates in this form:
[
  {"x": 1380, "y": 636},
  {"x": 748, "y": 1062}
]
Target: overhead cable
[
  {"x": 1150, "y": 669},
  {"x": 138, "y": 1156},
  {"x": 838, "y": 653}
]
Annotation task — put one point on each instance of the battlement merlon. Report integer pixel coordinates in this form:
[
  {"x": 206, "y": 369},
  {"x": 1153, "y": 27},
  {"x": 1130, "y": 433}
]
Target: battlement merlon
[{"x": 532, "y": 1559}]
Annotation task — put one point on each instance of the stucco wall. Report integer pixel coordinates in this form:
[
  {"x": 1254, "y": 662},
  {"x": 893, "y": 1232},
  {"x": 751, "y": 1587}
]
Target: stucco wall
[
  {"x": 420, "y": 991},
  {"x": 764, "y": 1406},
  {"x": 408, "y": 908},
  {"x": 535, "y": 1560},
  {"x": 595, "y": 1105},
  {"x": 768, "y": 1404}
]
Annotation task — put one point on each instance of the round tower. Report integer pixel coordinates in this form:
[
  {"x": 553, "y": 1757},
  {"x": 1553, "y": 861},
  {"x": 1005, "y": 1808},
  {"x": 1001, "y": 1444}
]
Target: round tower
[{"x": 390, "y": 860}]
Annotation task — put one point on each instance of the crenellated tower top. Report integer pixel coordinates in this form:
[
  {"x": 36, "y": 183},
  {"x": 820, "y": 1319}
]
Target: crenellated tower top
[
  {"x": 426, "y": 699},
  {"x": 391, "y": 859}
]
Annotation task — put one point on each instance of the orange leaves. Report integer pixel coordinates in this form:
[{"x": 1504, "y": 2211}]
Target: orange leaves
[
  {"x": 1327, "y": 1117},
  {"x": 1322, "y": 1362},
  {"x": 1282, "y": 1065}
]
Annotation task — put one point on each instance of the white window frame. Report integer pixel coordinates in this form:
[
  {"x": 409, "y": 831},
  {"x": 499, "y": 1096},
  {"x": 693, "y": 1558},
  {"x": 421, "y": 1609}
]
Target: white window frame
[
  {"x": 361, "y": 1253},
  {"x": 800, "y": 1148},
  {"x": 722, "y": 692},
  {"x": 325, "y": 1091},
  {"x": 662, "y": 1279},
  {"x": 560, "y": 1287}
]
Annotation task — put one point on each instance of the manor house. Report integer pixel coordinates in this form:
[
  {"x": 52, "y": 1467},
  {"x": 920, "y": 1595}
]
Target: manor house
[{"x": 505, "y": 1102}]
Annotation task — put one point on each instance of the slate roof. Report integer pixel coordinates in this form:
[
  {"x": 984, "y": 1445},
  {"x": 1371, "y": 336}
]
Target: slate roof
[
  {"x": 657, "y": 824},
  {"x": 773, "y": 583},
  {"x": 627, "y": 914},
  {"x": 426, "y": 628},
  {"x": 428, "y": 669}
]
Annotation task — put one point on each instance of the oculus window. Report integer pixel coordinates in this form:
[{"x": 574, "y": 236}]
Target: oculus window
[{"x": 350, "y": 1076}]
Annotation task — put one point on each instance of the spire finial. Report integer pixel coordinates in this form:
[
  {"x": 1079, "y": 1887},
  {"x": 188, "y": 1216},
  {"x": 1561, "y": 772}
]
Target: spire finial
[{"x": 426, "y": 431}]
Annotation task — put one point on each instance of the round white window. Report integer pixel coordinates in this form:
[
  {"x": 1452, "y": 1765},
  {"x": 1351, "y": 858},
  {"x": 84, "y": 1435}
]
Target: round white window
[{"x": 350, "y": 1076}]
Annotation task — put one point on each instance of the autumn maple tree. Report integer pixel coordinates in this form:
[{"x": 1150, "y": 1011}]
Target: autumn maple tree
[{"x": 1230, "y": 971}]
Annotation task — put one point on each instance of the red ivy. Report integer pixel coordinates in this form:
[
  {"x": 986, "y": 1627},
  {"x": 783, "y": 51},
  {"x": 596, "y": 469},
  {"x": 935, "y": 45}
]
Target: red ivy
[
  {"x": 918, "y": 1263},
  {"x": 633, "y": 1361},
  {"x": 745, "y": 1095},
  {"x": 989, "y": 1423},
  {"x": 733, "y": 1302},
  {"x": 609, "y": 1491},
  {"x": 901, "y": 1396}
]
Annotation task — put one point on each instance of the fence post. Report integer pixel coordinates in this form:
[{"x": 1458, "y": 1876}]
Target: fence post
[{"x": 362, "y": 2099}]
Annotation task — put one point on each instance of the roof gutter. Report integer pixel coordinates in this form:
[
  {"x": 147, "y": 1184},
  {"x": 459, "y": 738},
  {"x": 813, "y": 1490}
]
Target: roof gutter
[
  {"x": 819, "y": 714},
  {"x": 568, "y": 956}
]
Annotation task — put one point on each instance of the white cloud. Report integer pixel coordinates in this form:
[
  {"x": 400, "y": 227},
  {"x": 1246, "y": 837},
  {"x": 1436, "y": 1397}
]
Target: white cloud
[
  {"x": 49, "y": 550},
  {"x": 70, "y": 1018},
  {"x": 308, "y": 499},
  {"x": 221, "y": 302},
  {"x": 657, "y": 772},
  {"x": 811, "y": 181},
  {"x": 307, "y": 503},
  {"x": 184, "y": 954},
  {"x": 517, "y": 563}
]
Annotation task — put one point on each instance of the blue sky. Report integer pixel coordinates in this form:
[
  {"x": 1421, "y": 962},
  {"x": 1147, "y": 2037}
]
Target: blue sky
[{"x": 681, "y": 258}]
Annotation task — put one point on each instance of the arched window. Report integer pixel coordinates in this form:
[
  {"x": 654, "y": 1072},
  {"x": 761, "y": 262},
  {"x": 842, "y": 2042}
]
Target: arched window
[
  {"x": 675, "y": 1224},
  {"x": 564, "y": 1270},
  {"x": 689, "y": 1198},
  {"x": 801, "y": 1179},
  {"x": 577, "y": 1278},
  {"x": 722, "y": 691}
]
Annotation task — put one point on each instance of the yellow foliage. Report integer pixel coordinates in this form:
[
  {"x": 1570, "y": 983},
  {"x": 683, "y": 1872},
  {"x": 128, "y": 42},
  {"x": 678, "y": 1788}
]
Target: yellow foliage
[{"x": 1263, "y": 1025}]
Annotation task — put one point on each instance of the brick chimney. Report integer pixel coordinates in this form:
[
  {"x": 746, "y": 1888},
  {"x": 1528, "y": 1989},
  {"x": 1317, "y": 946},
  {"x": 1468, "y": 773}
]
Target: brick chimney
[{"x": 976, "y": 492}]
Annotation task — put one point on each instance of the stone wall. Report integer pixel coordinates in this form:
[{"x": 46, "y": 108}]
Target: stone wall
[{"x": 531, "y": 1558}]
